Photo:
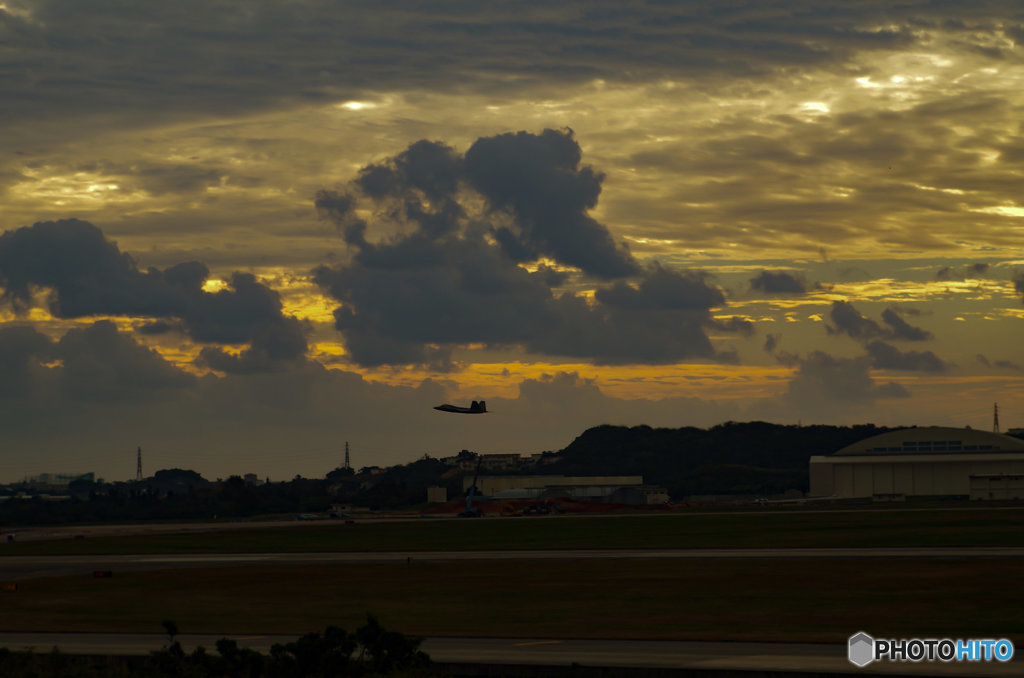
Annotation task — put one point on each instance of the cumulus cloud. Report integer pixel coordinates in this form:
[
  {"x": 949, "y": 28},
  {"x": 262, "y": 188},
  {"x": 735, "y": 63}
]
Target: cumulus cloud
[
  {"x": 539, "y": 180},
  {"x": 1009, "y": 365},
  {"x": 888, "y": 357},
  {"x": 973, "y": 270},
  {"x": 901, "y": 329},
  {"x": 821, "y": 377},
  {"x": 454, "y": 278},
  {"x": 101, "y": 363},
  {"x": 22, "y": 349},
  {"x": 1002, "y": 364},
  {"x": 87, "y": 275},
  {"x": 848, "y": 320},
  {"x": 1018, "y": 282},
  {"x": 781, "y": 282}
]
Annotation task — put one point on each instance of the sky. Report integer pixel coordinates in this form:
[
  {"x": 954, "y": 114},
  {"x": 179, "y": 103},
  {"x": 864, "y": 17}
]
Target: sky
[{"x": 241, "y": 234}]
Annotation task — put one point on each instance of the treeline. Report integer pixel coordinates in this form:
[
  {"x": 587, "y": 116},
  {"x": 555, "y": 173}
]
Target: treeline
[
  {"x": 177, "y": 494},
  {"x": 140, "y": 501},
  {"x": 370, "y": 651},
  {"x": 731, "y": 458}
]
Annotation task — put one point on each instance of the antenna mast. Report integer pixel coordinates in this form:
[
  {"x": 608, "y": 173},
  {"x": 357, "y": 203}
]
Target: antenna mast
[
  {"x": 138, "y": 465},
  {"x": 995, "y": 418},
  {"x": 348, "y": 464}
]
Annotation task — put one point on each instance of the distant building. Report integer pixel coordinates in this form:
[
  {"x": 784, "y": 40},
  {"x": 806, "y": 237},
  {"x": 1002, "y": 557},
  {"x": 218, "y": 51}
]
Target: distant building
[
  {"x": 928, "y": 460},
  {"x": 490, "y": 462},
  {"x": 56, "y": 481},
  {"x": 613, "y": 489},
  {"x": 437, "y": 495}
]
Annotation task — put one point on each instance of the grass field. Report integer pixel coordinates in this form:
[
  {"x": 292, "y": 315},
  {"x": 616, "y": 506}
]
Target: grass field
[
  {"x": 991, "y": 527},
  {"x": 794, "y": 600},
  {"x": 757, "y": 599}
]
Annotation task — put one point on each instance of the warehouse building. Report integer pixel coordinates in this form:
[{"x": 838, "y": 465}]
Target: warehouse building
[
  {"x": 613, "y": 489},
  {"x": 920, "y": 461}
]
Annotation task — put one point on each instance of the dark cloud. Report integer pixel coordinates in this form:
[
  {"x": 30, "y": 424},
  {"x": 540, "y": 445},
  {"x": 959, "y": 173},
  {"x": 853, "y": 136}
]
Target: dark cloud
[
  {"x": 117, "y": 395},
  {"x": 413, "y": 301},
  {"x": 340, "y": 208},
  {"x": 431, "y": 168},
  {"x": 821, "y": 378},
  {"x": 1002, "y": 364},
  {"x": 22, "y": 349},
  {"x": 1018, "y": 282},
  {"x": 849, "y": 321},
  {"x": 452, "y": 277},
  {"x": 737, "y": 325},
  {"x": 887, "y": 357},
  {"x": 158, "y": 327},
  {"x": 780, "y": 282},
  {"x": 206, "y": 57},
  {"x": 901, "y": 329},
  {"x": 1008, "y": 365},
  {"x": 101, "y": 363},
  {"x": 87, "y": 275},
  {"x": 662, "y": 289},
  {"x": 534, "y": 180},
  {"x": 403, "y": 299},
  {"x": 538, "y": 179},
  {"x": 973, "y": 270},
  {"x": 661, "y": 320}
]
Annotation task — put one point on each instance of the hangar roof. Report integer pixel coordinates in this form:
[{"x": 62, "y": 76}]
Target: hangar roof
[{"x": 934, "y": 440}]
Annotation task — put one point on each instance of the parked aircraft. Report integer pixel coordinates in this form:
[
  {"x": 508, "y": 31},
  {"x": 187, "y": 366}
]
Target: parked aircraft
[{"x": 474, "y": 408}]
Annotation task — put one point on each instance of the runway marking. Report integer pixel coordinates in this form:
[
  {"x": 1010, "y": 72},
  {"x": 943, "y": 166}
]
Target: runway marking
[
  {"x": 538, "y": 642},
  {"x": 202, "y": 559}
]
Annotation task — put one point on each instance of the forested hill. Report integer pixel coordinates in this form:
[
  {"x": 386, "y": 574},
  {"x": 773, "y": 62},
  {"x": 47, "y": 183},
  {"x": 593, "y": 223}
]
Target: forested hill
[{"x": 752, "y": 457}]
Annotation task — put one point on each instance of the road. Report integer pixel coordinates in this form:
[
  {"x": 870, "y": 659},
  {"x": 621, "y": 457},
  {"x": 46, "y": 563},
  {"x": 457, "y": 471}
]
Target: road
[
  {"x": 493, "y": 651},
  {"x": 14, "y": 568}
]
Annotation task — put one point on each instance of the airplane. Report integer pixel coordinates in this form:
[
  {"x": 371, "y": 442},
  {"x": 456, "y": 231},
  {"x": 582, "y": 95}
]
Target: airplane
[{"x": 475, "y": 408}]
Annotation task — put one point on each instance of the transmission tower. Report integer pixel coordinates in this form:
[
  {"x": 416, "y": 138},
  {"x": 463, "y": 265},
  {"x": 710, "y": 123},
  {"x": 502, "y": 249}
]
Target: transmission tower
[
  {"x": 138, "y": 465},
  {"x": 348, "y": 463},
  {"x": 995, "y": 418}
]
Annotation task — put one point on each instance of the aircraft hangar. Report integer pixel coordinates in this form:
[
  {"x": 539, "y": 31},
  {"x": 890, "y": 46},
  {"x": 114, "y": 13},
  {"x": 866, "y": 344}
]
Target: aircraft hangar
[{"x": 919, "y": 461}]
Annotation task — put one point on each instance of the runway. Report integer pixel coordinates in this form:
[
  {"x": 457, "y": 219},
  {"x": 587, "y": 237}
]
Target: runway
[
  {"x": 782, "y": 657},
  {"x": 13, "y": 568},
  {"x": 57, "y": 532}
]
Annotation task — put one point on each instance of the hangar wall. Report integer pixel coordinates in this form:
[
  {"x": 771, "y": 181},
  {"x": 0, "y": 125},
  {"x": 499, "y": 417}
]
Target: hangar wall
[{"x": 865, "y": 476}]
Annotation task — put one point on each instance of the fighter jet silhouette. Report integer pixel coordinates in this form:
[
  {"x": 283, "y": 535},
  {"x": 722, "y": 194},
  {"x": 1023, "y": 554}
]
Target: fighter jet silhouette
[{"x": 474, "y": 408}]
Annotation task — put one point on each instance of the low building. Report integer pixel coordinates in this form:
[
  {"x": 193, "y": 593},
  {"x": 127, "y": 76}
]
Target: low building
[
  {"x": 920, "y": 461},
  {"x": 613, "y": 489},
  {"x": 489, "y": 462},
  {"x": 996, "y": 486},
  {"x": 56, "y": 481}
]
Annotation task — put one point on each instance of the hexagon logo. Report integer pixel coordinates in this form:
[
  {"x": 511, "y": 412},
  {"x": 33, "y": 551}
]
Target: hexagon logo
[{"x": 861, "y": 649}]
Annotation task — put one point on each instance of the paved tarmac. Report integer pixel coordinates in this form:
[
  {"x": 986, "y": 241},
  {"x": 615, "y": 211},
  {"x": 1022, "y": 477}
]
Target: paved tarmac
[
  {"x": 659, "y": 654},
  {"x": 49, "y": 532},
  {"x": 14, "y": 568},
  {"x": 801, "y": 657}
]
